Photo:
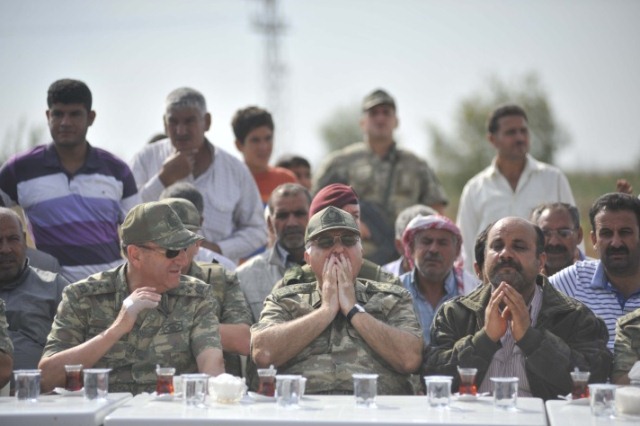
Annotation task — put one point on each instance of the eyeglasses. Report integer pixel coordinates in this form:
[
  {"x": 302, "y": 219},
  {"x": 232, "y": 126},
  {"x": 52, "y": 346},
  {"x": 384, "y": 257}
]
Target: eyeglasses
[
  {"x": 328, "y": 241},
  {"x": 168, "y": 253},
  {"x": 561, "y": 233}
]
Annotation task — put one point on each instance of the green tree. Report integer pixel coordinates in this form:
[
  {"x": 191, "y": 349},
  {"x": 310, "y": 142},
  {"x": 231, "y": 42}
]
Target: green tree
[
  {"x": 461, "y": 155},
  {"x": 19, "y": 138},
  {"x": 342, "y": 127}
]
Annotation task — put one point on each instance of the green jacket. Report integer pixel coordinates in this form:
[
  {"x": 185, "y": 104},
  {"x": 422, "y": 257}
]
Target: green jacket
[{"x": 566, "y": 335}]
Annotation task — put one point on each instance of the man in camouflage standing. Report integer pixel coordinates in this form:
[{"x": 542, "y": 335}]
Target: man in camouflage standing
[
  {"x": 339, "y": 325},
  {"x": 140, "y": 314},
  {"x": 386, "y": 178}
]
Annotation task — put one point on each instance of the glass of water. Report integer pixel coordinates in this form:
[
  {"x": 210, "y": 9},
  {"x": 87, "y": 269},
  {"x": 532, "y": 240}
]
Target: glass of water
[{"x": 439, "y": 390}]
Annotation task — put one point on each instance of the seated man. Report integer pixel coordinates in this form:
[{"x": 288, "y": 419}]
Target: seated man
[
  {"x": 610, "y": 287},
  {"x": 339, "y": 325},
  {"x": 431, "y": 245},
  {"x": 626, "y": 350},
  {"x": 6, "y": 350},
  {"x": 233, "y": 312},
  {"x": 518, "y": 325},
  {"x": 140, "y": 314},
  {"x": 560, "y": 224},
  {"x": 31, "y": 295}
]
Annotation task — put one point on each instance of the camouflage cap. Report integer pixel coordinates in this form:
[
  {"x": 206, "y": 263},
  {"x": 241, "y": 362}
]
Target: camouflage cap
[
  {"x": 156, "y": 222},
  {"x": 377, "y": 97},
  {"x": 187, "y": 212},
  {"x": 330, "y": 218}
]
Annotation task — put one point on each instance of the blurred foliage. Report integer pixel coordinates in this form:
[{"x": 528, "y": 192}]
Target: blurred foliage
[
  {"x": 20, "y": 137},
  {"x": 342, "y": 127},
  {"x": 467, "y": 151}
]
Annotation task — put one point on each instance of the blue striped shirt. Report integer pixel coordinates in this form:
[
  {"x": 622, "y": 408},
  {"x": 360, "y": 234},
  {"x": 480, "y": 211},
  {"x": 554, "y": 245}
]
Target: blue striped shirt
[
  {"x": 587, "y": 282},
  {"x": 74, "y": 218}
]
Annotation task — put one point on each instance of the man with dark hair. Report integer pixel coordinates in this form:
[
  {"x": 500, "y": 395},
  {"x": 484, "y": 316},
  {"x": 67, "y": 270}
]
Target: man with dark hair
[
  {"x": 253, "y": 129},
  {"x": 139, "y": 315},
  {"x": 288, "y": 216},
  {"x": 560, "y": 224},
  {"x": 609, "y": 286},
  {"x": 73, "y": 194},
  {"x": 233, "y": 224},
  {"x": 512, "y": 185},
  {"x": 386, "y": 177},
  {"x": 31, "y": 295},
  {"x": 517, "y": 324},
  {"x": 337, "y": 324},
  {"x": 300, "y": 167}
]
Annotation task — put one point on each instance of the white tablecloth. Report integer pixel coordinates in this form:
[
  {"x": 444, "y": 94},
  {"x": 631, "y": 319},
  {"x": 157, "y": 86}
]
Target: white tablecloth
[
  {"x": 327, "y": 410},
  {"x": 564, "y": 413},
  {"x": 58, "y": 410}
]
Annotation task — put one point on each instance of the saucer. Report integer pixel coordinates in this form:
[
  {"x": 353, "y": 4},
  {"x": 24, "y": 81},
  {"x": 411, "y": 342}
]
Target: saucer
[
  {"x": 261, "y": 398},
  {"x": 468, "y": 397},
  {"x": 579, "y": 401},
  {"x": 64, "y": 392}
]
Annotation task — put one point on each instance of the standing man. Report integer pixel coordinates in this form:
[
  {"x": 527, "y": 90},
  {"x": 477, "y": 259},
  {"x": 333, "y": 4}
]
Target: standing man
[
  {"x": 253, "y": 129},
  {"x": 339, "y": 325},
  {"x": 233, "y": 218},
  {"x": 139, "y": 315},
  {"x": 31, "y": 295},
  {"x": 74, "y": 195},
  {"x": 560, "y": 224},
  {"x": 288, "y": 217},
  {"x": 610, "y": 287},
  {"x": 517, "y": 324},
  {"x": 512, "y": 185},
  {"x": 386, "y": 178},
  {"x": 432, "y": 244}
]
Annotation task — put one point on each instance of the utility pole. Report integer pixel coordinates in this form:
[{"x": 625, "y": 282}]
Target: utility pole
[{"x": 268, "y": 23}]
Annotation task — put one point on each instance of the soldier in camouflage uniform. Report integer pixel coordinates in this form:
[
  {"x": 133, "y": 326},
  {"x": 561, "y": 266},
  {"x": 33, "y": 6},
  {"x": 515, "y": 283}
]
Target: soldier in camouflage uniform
[
  {"x": 626, "y": 349},
  {"x": 345, "y": 198},
  {"x": 339, "y": 325},
  {"x": 6, "y": 349},
  {"x": 139, "y": 314},
  {"x": 387, "y": 178},
  {"x": 233, "y": 310}
]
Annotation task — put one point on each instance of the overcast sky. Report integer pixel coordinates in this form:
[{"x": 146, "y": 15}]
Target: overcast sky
[{"x": 427, "y": 54}]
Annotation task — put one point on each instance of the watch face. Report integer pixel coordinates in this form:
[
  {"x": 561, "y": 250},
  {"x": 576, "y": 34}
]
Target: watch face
[{"x": 359, "y": 308}]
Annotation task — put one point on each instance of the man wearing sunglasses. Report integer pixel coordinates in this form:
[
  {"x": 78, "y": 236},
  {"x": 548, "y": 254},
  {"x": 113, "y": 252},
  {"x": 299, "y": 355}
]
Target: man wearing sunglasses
[
  {"x": 138, "y": 315},
  {"x": 560, "y": 224},
  {"x": 339, "y": 325}
]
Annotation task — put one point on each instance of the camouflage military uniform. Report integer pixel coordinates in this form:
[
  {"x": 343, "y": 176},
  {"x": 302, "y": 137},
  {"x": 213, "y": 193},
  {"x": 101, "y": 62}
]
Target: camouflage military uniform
[
  {"x": 330, "y": 360},
  {"x": 385, "y": 187},
  {"x": 232, "y": 306},
  {"x": 626, "y": 349},
  {"x": 369, "y": 271},
  {"x": 5, "y": 342},
  {"x": 358, "y": 166},
  {"x": 174, "y": 334}
]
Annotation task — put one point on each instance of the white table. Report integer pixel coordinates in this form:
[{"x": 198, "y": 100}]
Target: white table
[
  {"x": 327, "y": 410},
  {"x": 564, "y": 413},
  {"x": 58, "y": 410}
]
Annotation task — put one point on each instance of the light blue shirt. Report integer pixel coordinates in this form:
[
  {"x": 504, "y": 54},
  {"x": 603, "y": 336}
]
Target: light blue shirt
[{"x": 424, "y": 311}]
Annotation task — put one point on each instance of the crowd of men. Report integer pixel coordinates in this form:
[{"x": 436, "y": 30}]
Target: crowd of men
[{"x": 355, "y": 270}]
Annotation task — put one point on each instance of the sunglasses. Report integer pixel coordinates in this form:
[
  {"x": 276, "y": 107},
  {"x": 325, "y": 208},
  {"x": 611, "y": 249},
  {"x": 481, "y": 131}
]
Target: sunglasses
[
  {"x": 326, "y": 242},
  {"x": 168, "y": 253}
]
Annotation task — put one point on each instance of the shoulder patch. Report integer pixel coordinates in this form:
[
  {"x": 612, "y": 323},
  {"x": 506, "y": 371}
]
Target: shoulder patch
[
  {"x": 101, "y": 283},
  {"x": 293, "y": 289},
  {"x": 190, "y": 286}
]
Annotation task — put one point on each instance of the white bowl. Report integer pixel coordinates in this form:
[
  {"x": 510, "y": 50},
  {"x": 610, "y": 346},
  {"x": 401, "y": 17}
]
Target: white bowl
[{"x": 227, "y": 389}]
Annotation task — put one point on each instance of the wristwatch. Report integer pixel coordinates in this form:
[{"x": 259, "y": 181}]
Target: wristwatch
[{"x": 355, "y": 310}]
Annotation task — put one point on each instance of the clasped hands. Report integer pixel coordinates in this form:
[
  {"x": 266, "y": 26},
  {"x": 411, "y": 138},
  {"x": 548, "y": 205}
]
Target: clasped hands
[
  {"x": 506, "y": 308},
  {"x": 338, "y": 288}
]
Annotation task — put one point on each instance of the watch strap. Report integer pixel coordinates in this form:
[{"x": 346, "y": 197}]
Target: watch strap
[{"x": 355, "y": 310}]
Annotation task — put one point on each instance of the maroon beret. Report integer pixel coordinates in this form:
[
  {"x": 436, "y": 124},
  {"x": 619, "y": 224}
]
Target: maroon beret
[{"x": 336, "y": 195}]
